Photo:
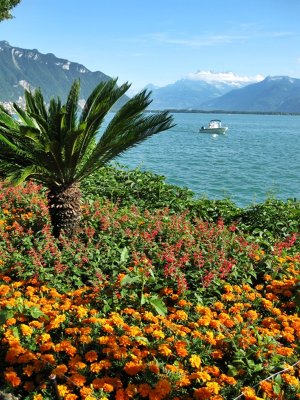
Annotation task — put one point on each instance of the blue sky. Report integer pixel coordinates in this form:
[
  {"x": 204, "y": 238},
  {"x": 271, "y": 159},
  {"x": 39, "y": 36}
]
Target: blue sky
[{"x": 161, "y": 41}]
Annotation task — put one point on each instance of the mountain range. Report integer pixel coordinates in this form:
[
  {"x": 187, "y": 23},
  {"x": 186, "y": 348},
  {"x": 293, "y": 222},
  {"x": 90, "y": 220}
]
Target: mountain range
[
  {"x": 272, "y": 94},
  {"x": 202, "y": 91},
  {"x": 29, "y": 69}
]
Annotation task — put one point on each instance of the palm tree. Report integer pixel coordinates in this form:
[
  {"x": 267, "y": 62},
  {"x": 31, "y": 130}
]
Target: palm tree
[{"x": 59, "y": 147}]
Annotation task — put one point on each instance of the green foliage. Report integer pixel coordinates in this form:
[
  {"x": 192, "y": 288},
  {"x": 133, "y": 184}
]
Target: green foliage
[
  {"x": 271, "y": 218},
  {"x": 127, "y": 187},
  {"x": 5, "y": 8}
]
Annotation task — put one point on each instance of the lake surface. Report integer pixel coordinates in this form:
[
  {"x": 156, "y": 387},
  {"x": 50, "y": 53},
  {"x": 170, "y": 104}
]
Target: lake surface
[{"x": 257, "y": 158}]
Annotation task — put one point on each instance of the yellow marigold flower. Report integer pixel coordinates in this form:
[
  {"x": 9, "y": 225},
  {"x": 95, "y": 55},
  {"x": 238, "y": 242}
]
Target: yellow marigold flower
[
  {"x": 291, "y": 380},
  {"x": 214, "y": 387},
  {"x": 38, "y": 397},
  {"x": 108, "y": 328},
  {"x": 26, "y": 330},
  {"x": 62, "y": 390},
  {"x": 56, "y": 322},
  {"x": 181, "y": 315},
  {"x": 195, "y": 361},
  {"x": 218, "y": 305},
  {"x": 165, "y": 350},
  {"x": 11, "y": 377},
  {"x": 158, "y": 334},
  {"x": 201, "y": 375}
]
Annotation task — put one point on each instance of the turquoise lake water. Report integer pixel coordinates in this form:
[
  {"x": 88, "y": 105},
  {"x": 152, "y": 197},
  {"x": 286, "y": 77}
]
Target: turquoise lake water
[{"x": 257, "y": 158}]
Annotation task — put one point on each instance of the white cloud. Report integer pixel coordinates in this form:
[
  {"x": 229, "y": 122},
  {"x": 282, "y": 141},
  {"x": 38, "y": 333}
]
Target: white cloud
[{"x": 210, "y": 76}]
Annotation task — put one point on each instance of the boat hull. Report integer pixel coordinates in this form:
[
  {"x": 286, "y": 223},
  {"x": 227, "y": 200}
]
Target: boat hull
[{"x": 214, "y": 130}]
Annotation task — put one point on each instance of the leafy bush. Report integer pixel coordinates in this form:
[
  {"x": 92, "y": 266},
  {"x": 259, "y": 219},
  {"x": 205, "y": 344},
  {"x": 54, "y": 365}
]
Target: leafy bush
[
  {"x": 134, "y": 187},
  {"x": 274, "y": 218}
]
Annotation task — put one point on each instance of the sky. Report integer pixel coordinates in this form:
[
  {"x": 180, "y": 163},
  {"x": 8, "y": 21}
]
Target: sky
[{"x": 162, "y": 41}]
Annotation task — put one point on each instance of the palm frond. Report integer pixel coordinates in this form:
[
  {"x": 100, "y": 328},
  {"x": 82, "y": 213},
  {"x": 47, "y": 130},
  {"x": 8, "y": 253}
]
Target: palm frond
[{"x": 124, "y": 135}]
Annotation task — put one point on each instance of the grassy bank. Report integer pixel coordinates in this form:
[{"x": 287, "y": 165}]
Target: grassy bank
[{"x": 160, "y": 295}]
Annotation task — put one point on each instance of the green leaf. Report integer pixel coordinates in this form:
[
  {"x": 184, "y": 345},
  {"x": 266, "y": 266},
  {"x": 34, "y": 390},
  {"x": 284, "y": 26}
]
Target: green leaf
[
  {"x": 128, "y": 280},
  {"x": 158, "y": 305},
  {"x": 35, "y": 312},
  {"x": 124, "y": 255},
  {"x": 143, "y": 299},
  {"x": 5, "y": 315}
]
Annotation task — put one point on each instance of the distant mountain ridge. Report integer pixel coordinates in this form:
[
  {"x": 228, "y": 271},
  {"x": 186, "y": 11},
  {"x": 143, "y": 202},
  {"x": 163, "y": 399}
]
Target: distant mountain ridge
[
  {"x": 203, "y": 91},
  {"x": 30, "y": 69},
  {"x": 272, "y": 94}
]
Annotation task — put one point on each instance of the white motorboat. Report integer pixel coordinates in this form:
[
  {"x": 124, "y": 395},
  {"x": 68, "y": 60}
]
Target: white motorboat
[{"x": 214, "y": 126}]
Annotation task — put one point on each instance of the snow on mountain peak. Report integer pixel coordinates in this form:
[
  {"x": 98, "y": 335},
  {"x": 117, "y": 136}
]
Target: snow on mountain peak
[{"x": 224, "y": 77}]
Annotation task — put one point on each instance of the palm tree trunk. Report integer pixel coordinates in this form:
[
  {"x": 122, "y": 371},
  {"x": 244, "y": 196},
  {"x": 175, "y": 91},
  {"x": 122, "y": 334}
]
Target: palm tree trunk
[{"x": 64, "y": 208}]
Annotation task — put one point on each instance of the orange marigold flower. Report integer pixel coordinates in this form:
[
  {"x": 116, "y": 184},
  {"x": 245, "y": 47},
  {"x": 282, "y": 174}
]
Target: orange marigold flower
[
  {"x": 217, "y": 354},
  {"x": 28, "y": 370},
  {"x": 60, "y": 370},
  {"x": 91, "y": 356},
  {"x": 249, "y": 394},
  {"x": 10, "y": 321},
  {"x": 132, "y": 368},
  {"x": 71, "y": 396},
  {"x": 202, "y": 394},
  {"x": 284, "y": 351},
  {"x": 163, "y": 387},
  {"x": 38, "y": 397},
  {"x": 107, "y": 387},
  {"x": 78, "y": 379},
  {"x": 153, "y": 367},
  {"x": 180, "y": 348},
  {"x": 67, "y": 347},
  {"x": 11, "y": 377},
  {"x": 144, "y": 389},
  {"x": 121, "y": 395}
]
